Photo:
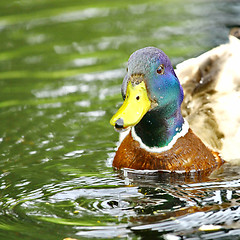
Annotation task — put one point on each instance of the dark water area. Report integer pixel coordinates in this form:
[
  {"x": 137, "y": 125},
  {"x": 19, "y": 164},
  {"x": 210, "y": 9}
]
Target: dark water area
[{"x": 61, "y": 66}]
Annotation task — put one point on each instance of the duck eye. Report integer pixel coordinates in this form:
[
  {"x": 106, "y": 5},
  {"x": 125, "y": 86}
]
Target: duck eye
[{"x": 160, "y": 69}]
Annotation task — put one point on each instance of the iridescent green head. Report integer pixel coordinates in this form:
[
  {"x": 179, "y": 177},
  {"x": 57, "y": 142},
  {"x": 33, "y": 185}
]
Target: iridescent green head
[
  {"x": 161, "y": 81},
  {"x": 150, "y": 89}
]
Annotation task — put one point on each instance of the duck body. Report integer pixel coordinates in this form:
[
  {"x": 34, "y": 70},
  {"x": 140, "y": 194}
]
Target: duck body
[
  {"x": 187, "y": 154},
  {"x": 159, "y": 137},
  {"x": 211, "y": 84}
]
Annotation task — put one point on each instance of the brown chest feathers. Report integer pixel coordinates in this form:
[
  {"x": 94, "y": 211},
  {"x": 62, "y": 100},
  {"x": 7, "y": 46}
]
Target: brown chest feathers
[{"x": 188, "y": 153}]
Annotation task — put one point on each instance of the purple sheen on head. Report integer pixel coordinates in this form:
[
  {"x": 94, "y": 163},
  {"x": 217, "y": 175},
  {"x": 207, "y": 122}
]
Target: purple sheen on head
[
  {"x": 164, "y": 87},
  {"x": 142, "y": 60}
]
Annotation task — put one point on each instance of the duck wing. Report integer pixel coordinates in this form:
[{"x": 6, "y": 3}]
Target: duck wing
[{"x": 211, "y": 84}]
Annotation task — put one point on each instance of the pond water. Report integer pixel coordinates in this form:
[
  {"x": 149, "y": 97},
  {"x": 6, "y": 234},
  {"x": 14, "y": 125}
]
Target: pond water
[{"x": 61, "y": 66}]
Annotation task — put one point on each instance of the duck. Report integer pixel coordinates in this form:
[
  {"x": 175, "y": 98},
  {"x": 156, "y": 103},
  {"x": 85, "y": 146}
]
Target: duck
[{"x": 170, "y": 120}]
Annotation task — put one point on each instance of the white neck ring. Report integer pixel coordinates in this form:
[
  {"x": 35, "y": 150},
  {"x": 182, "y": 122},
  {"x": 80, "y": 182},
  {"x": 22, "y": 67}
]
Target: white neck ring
[{"x": 183, "y": 132}]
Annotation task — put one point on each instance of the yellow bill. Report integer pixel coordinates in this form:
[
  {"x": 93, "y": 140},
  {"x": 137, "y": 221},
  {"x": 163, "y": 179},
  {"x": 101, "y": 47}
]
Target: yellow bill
[{"x": 135, "y": 106}]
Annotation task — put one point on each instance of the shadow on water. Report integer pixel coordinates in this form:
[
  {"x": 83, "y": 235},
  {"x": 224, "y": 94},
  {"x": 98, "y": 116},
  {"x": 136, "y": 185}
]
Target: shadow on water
[{"x": 172, "y": 204}]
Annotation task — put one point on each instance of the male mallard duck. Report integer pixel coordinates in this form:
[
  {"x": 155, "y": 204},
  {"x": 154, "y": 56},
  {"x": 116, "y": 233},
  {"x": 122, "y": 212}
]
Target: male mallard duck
[{"x": 159, "y": 137}]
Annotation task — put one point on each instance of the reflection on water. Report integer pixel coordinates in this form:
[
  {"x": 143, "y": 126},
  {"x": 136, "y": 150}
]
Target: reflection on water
[{"x": 61, "y": 65}]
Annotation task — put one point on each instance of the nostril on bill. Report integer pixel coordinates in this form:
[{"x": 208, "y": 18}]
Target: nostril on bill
[{"x": 119, "y": 123}]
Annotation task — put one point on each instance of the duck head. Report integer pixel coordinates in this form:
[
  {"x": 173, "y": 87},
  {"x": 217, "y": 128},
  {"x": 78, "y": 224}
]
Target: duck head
[{"x": 151, "y": 91}]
